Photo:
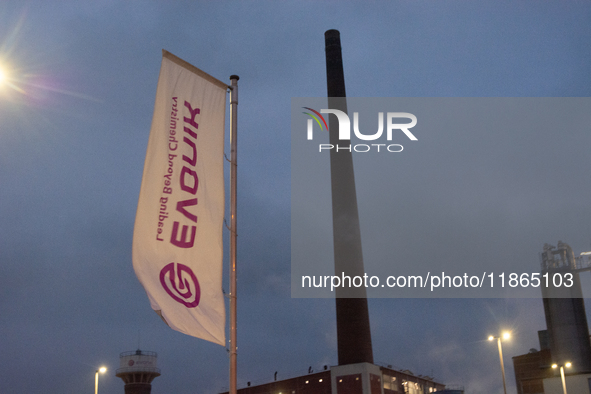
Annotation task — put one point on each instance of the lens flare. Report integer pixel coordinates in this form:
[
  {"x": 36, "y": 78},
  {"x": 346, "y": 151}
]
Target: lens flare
[{"x": 29, "y": 79}]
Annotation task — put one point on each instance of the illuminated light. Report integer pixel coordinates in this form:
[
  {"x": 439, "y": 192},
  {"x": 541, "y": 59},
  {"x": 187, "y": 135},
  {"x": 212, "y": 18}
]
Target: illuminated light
[
  {"x": 490, "y": 338},
  {"x": 585, "y": 253},
  {"x": 340, "y": 380},
  {"x": 554, "y": 365},
  {"x": 320, "y": 380},
  {"x": 102, "y": 369},
  {"x": 506, "y": 335},
  {"x": 568, "y": 365},
  {"x": 28, "y": 82},
  {"x": 307, "y": 381}
]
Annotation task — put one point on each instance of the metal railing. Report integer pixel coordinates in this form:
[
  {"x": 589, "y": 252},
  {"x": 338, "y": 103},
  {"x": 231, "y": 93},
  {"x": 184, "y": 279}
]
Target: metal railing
[
  {"x": 138, "y": 353},
  {"x": 137, "y": 369}
]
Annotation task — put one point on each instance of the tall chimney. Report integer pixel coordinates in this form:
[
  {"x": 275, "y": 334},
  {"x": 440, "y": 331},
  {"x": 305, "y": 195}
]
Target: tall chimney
[{"x": 353, "y": 331}]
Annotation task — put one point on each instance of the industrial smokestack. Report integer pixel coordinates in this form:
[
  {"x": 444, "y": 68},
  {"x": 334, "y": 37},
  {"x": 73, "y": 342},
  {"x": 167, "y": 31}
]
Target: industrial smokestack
[
  {"x": 564, "y": 308},
  {"x": 353, "y": 330}
]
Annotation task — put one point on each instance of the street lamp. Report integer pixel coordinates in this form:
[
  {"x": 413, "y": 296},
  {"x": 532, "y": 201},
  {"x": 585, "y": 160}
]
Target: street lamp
[
  {"x": 101, "y": 370},
  {"x": 568, "y": 365},
  {"x": 506, "y": 335}
]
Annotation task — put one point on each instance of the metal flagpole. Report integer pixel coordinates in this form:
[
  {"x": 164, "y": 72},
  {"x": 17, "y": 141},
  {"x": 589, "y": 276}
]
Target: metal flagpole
[{"x": 233, "y": 141}]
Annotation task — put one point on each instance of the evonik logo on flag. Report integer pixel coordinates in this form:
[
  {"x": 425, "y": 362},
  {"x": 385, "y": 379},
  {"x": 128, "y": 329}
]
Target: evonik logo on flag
[
  {"x": 345, "y": 130},
  {"x": 186, "y": 289}
]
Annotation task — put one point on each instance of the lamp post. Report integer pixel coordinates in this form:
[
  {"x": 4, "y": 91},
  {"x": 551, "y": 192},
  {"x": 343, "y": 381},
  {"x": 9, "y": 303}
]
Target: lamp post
[
  {"x": 506, "y": 335},
  {"x": 101, "y": 370},
  {"x": 568, "y": 365}
]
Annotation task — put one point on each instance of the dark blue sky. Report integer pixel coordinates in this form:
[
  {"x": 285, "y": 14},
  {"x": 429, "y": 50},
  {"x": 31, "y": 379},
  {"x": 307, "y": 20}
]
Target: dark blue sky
[{"x": 74, "y": 126}]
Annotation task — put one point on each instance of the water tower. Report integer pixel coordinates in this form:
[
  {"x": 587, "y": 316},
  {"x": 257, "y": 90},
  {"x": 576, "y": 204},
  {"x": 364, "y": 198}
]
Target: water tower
[{"x": 138, "y": 369}]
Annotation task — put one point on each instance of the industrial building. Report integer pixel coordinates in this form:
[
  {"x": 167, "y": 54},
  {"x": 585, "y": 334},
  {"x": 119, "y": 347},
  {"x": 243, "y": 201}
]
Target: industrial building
[
  {"x": 566, "y": 339},
  {"x": 532, "y": 368},
  {"x": 362, "y": 378}
]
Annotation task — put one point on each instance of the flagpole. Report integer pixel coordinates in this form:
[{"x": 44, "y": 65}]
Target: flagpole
[{"x": 233, "y": 314}]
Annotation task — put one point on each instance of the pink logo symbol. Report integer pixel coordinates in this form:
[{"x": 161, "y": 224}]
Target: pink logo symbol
[
  {"x": 130, "y": 363},
  {"x": 187, "y": 292}
]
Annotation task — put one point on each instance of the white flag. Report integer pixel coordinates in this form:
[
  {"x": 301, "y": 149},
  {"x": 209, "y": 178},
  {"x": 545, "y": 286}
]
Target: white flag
[{"x": 177, "y": 240}]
